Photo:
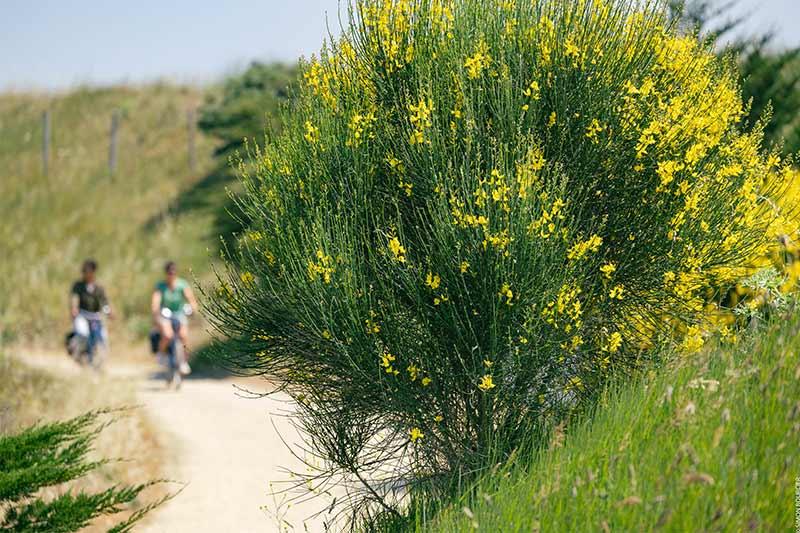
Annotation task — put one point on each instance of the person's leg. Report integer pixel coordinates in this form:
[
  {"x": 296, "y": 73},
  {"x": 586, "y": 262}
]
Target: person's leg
[
  {"x": 100, "y": 345},
  {"x": 94, "y": 339},
  {"x": 183, "y": 335},
  {"x": 183, "y": 338},
  {"x": 166, "y": 333}
]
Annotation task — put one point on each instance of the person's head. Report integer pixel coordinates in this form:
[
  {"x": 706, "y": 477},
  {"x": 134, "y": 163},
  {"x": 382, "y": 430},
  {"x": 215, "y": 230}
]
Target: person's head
[
  {"x": 171, "y": 271},
  {"x": 88, "y": 270}
]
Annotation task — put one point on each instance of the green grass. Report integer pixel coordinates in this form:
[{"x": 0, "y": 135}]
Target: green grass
[
  {"x": 706, "y": 444},
  {"x": 153, "y": 209}
]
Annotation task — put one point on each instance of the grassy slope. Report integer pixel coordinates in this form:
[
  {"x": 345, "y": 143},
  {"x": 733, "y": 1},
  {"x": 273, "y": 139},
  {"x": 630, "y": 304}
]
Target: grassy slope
[
  {"x": 153, "y": 209},
  {"x": 671, "y": 452}
]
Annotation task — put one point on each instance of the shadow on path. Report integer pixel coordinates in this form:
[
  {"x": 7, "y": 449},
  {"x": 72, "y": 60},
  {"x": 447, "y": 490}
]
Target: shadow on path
[{"x": 207, "y": 196}]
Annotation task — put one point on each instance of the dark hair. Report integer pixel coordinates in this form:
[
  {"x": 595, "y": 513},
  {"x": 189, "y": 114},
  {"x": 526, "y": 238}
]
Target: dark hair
[
  {"x": 89, "y": 264},
  {"x": 169, "y": 265}
]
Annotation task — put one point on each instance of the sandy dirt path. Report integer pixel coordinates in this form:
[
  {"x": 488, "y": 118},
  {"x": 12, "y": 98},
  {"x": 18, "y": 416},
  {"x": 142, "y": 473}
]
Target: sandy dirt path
[
  {"x": 224, "y": 446},
  {"x": 227, "y": 448}
]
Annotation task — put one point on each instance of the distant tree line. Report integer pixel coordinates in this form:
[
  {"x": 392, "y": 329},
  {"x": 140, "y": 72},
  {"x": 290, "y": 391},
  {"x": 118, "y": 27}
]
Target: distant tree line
[{"x": 247, "y": 105}]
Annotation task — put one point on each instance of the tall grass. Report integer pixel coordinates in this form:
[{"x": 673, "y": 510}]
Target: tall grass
[
  {"x": 50, "y": 223},
  {"x": 707, "y": 443}
]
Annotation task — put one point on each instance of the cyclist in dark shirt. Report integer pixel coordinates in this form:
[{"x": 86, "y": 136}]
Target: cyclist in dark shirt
[{"x": 87, "y": 304}]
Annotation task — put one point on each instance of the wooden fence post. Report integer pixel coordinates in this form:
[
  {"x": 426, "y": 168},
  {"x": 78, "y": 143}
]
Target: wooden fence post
[
  {"x": 112, "y": 147},
  {"x": 190, "y": 126},
  {"x": 45, "y": 141}
]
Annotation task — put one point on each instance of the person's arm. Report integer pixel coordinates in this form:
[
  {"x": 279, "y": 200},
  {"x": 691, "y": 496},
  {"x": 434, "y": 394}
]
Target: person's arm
[
  {"x": 187, "y": 291},
  {"x": 74, "y": 303},
  {"x": 155, "y": 304},
  {"x": 104, "y": 303}
]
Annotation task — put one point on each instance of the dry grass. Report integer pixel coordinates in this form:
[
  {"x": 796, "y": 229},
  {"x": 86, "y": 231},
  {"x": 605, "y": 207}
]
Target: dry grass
[{"x": 128, "y": 223}]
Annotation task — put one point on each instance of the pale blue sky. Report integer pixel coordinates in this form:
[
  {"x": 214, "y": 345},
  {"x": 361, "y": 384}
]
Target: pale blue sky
[{"x": 54, "y": 44}]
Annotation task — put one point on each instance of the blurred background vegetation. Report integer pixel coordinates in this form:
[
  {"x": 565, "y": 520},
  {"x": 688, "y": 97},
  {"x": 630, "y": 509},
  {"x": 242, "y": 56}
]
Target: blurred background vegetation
[
  {"x": 247, "y": 105},
  {"x": 155, "y": 207},
  {"x": 770, "y": 75}
]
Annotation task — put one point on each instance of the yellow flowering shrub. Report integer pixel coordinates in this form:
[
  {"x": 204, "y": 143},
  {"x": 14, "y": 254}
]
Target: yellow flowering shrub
[{"x": 480, "y": 210}]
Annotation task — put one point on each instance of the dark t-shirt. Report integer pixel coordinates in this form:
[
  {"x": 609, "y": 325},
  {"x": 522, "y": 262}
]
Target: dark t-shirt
[{"x": 91, "y": 298}]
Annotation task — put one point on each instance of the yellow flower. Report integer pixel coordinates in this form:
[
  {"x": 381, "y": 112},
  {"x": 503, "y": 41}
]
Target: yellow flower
[
  {"x": 532, "y": 91},
  {"x": 415, "y": 434},
  {"x": 372, "y": 327},
  {"x": 574, "y": 383},
  {"x": 426, "y": 381},
  {"x": 420, "y": 118},
  {"x": 608, "y": 269},
  {"x": 580, "y": 249},
  {"x": 359, "y": 127},
  {"x": 487, "y": 363},
  {"x": 413, "y": 372},
  {"x": 438, "y": 418},
  {"x": 594, "y": 128},
  {"x": 486, "y": 383},
  {"x": 507, "y": 293},
  {"x": 397, "y": 249},
  {"x": 432, "y": 280},
  {"x": 617, "y": 293},
  {"x": 613, "y": 342},
  {"x": 247, "y": 278},
  {"x": 693, "y": 340},
  {"x": 464, "y": 266},
  {"x": 387, "y": 359},
  {"x": 551, "y": 121},
  {"x": 479, "y": 61},
  {"x": 322, "y": 267},
  {"x": 312, "y": 132},
  {"x": 571, "y": 50}
]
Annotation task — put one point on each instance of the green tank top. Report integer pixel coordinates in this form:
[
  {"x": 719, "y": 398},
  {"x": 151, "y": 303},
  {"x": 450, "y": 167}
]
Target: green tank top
[{"x": 173, "y": 299}]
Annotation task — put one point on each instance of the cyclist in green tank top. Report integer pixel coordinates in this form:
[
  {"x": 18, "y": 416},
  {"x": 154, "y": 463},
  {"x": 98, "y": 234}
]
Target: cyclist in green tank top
[{"x": 173, "y": 294}]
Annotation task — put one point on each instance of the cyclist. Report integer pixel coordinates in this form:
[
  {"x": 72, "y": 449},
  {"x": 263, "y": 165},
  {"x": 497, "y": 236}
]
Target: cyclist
[
  {"x": 173, "y": 294},
  {"x": 87, "y": 303}
]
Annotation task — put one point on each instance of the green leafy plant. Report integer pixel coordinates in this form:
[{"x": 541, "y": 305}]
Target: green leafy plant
[
  {"x": 478, "y": 212},
  {"x": 50, "y": 455},
  {"x": 248, "y": 105}
]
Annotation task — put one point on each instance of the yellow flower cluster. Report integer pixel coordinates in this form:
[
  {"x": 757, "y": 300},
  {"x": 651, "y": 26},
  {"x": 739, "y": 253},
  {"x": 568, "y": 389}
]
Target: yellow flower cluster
[
  {"x": 312, "y": 133},
  {"x": 545, "y": 226},
  {"x": 321, "y": 268},
  {"x": 486, "y": 383},
  {"x": 420, "y": 118},
  {"x": 398, "y": 250},
  {"x": 359, "y": 127},
  {"x": 566, "y": 310},
  {"x": 478, "y": 61},
  {"x": 580, "y": 249}
]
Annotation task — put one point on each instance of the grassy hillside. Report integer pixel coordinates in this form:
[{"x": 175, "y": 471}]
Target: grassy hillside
[
  {"x": 152, "y": 209},
  {"x": 708, "y": 444}
]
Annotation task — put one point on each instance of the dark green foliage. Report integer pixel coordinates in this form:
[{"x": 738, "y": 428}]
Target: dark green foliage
[
  {"x": 49, "y": 455},
  {"x": 248, "y": 104},
  {"x": 771, "y": 81}
]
